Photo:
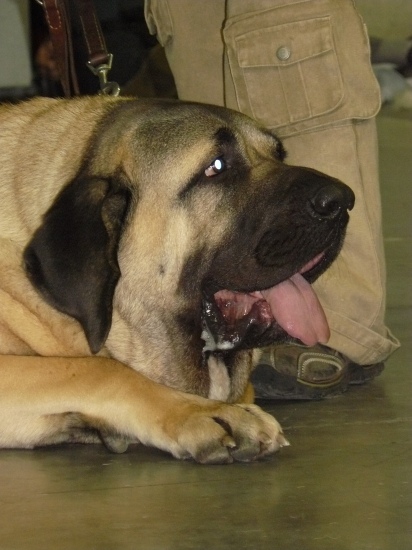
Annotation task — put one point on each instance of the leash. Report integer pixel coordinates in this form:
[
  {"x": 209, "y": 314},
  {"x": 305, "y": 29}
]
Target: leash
[{"x": 57, "y": 13}]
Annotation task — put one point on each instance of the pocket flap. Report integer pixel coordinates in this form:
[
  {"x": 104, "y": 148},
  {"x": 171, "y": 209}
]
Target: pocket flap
[{"x": 285, "y": 44}]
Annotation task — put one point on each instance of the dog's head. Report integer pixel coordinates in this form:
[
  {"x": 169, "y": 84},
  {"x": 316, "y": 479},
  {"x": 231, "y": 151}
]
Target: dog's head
[{"x": 184, "y": 232}]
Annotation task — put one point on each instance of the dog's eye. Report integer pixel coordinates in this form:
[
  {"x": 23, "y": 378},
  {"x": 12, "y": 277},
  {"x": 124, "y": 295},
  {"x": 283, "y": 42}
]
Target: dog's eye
[{"x": 217, "y": 167}]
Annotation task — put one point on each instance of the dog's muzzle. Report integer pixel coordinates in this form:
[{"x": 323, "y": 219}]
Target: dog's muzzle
[{"x": 288, "y": 309}]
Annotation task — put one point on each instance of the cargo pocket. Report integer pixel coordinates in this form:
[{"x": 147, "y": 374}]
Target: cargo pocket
[{"x": 287, "y": 73}]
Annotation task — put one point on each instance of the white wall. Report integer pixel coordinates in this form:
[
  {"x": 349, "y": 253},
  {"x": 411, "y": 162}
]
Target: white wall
[{"x": 15, "y": 67}]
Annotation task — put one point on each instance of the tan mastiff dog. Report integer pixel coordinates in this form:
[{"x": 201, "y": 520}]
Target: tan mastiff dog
[{"x": 145, "y": 248}]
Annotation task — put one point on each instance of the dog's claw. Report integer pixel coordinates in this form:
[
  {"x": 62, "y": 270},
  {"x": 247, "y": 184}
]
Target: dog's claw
[
  {"x": 283, "y": 442},
  {"x": 265, "y": 439},
  {"x": 228, "y": 442}
]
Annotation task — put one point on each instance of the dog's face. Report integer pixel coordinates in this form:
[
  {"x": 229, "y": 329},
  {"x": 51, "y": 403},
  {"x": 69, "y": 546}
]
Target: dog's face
[{"x": 185, "y": 240}]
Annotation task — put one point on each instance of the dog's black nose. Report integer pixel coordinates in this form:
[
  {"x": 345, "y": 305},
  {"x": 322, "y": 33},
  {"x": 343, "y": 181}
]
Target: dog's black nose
[{"x": 331, "y": 199}]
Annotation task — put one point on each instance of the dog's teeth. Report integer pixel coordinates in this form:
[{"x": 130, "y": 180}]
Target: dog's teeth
[{"x": 207, "y": 337}]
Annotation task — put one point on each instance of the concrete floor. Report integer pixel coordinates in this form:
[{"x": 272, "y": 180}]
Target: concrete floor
[{"x": 344, "y": 484}]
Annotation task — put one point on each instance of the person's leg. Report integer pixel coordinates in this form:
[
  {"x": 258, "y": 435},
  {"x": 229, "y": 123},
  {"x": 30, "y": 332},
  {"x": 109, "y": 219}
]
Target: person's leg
[
  {"x": 303, "y": 70},
  {"x": 191, "y": 33}
]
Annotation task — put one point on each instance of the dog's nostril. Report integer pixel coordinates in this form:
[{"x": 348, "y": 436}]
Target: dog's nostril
[
  {"x": 325, "y": 204},
  {"x": 330, "y": 200}
]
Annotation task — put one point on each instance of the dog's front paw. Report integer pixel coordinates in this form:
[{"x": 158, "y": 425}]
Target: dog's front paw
[{"x": 222, "y": 434}]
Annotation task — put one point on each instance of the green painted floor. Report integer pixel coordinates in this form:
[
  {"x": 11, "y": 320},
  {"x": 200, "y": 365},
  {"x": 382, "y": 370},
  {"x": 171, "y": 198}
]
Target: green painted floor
[{"x": 344, "y": 484}]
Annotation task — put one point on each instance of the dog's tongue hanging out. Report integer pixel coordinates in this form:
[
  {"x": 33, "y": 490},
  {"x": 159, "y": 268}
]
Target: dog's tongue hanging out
[
  {"x": 296, "y": 308},
  {"x": 292, "y": 303}
]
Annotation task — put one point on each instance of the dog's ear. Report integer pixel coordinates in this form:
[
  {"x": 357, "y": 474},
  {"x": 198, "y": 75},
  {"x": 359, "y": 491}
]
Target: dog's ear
[{"x": 72, "y": 257}]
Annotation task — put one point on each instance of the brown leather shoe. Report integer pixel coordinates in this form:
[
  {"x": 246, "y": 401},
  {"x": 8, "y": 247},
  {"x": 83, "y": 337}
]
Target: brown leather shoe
[{"x": 298, "y": 372}]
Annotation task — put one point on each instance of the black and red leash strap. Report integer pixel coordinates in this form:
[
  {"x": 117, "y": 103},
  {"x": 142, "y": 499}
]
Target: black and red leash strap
[{"x": 57, "y": 14}]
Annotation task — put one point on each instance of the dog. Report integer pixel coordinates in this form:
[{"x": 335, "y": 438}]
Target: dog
[{"x": 147, "y": 248}]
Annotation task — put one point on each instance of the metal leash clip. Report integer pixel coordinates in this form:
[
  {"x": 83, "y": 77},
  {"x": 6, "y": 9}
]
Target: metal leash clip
[{"x": 101, "y": 71}]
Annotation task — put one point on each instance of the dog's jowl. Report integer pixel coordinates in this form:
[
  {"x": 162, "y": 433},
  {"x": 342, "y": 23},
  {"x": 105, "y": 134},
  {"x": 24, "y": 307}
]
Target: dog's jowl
[{"x": 147, "y": 248}]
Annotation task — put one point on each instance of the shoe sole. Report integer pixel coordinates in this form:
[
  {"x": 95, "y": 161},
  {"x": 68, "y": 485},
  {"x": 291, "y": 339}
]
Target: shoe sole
[{"x": 269, "y": 384}]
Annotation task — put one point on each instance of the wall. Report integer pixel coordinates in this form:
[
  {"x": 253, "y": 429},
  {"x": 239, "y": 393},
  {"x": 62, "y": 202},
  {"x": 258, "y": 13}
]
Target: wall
[{"x": 390, "y": 19}]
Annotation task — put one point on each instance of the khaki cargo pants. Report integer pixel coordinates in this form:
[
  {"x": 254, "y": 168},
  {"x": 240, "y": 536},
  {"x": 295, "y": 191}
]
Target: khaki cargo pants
[{"x": 301, "y": 68}]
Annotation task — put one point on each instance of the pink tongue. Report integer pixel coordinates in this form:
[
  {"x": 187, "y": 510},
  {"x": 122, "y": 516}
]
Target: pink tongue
[{"x": 297, "y": 310}]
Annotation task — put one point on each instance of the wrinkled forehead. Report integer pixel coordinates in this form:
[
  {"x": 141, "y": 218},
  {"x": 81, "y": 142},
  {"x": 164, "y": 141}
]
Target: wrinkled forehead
[{"x": 176, "y": 128}]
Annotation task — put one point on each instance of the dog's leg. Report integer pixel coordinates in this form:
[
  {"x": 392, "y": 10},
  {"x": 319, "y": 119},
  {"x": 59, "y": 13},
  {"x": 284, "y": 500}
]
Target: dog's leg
[{"x": 45, "y": 400}]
